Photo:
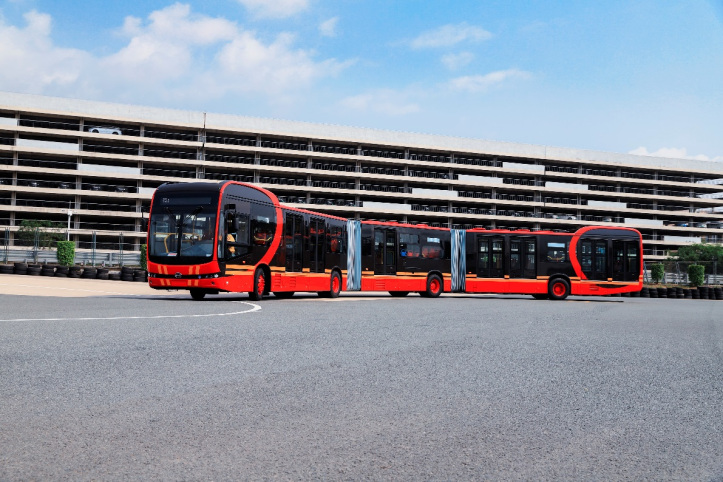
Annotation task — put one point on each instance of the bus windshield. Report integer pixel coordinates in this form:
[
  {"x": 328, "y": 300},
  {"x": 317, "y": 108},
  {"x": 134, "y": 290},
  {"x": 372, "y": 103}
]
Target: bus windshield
[{"x": 182, "y": 229}]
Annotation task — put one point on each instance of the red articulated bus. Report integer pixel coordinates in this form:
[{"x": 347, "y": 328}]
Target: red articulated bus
[{"x": 234, "y": 237}]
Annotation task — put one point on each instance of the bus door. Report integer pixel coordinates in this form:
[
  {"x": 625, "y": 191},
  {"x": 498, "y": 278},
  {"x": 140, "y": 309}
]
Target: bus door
[
  {"x": 385, "y": 251},
  {"x": 490, "y": 256},
  {"x": 294, "y": 241},
  {"x": 626, "y": 261},
  {"x": 523, "y": 257},
  {"x": 594, "y": 258},
  {"x": 315, "y": 248}
]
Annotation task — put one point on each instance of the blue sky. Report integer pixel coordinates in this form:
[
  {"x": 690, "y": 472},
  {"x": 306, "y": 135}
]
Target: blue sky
[{"x": 639, "y": 76}]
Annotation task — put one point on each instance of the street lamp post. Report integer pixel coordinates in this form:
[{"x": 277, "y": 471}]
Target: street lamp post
[{"x": 70, "y": 215}]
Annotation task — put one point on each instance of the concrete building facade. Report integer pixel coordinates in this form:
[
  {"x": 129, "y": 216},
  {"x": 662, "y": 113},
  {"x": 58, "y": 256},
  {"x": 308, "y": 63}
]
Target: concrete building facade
[{"x": 102, "y": 162}]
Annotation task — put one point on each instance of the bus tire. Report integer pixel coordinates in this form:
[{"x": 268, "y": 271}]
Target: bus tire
[
  {"x": 434, "y": 287},
  {"x": 283, "y": 295},
  {"x": 197, "y": 294},
  {"x": 334, "y": 286},
  {"x": 558, "y": 289},
  {"x": 399, "y": 294},
  {"x": 259, "y": 286}
]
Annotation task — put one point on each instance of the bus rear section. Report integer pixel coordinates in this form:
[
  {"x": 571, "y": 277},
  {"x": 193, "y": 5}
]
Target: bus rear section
[{"x": 546, "y": 264}]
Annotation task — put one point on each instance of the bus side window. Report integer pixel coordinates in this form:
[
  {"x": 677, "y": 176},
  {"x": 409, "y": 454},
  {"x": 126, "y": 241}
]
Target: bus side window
[{"x": 556, "y": 252}]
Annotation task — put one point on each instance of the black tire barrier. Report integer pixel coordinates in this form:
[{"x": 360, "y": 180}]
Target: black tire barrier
[
  {"x": 7, "y": 269},
  {"x": 34, "y": 271},
  {"x": 645, "y": 293},
  {"x": 47, "y": 270},
  {"x": 20, "y": 266},
  {"x": 662, "y": 292},
  {"x": 74, "y": 271},
  {"x": 114, "y": 275},
  {"x": 672, "y": 292},
  {"x": 695, "y": 294},
  {"x": 688, "y": 294},
  {"x": 719, "y": 293},
  {"x": 127, "y": 277},
  {"x": 653, "y": 292},
  {"x": 126, "y": 271},
  {"x": 61, "y": 272},
  {"x": 140, "y": 275},
  {"x": 703, "y": 292},
  {"x": 679, "y": 293},
  {"x": 89, "y": 273}
]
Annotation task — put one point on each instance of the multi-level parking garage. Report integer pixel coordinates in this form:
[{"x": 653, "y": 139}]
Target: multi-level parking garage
[{"x": 103, "y": 161}]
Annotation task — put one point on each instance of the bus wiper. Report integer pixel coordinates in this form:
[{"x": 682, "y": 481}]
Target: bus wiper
[{"x": 193, "y": 214}]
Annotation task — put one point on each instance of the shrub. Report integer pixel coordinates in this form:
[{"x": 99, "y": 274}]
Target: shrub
[
  {"x": 657, "y": 272},
  {"x": 696, "y": 274},
  {"x": 66, "y": 253},
  {"x": 144, "y": 261}
]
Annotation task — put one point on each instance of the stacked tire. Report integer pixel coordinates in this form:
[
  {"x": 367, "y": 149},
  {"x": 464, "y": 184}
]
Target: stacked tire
[
  {"x": 89, "y": 273},
  {"x": 62, "y": 271},
  {"x": 126, "y": 274},
  {"x": 102, "y": 273},
  {"x": 34, "y": 270},
  {"x": 74, "y": 272},
  {"x": 7, "y": 269},
  {"x": 47, "y": 270},
  {"x": 140, "y": 275}
]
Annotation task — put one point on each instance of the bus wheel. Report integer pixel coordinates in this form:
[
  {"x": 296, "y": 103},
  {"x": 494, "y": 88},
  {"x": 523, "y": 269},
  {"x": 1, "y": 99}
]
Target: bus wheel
[
  {"x": 283, "y": 295},
  {"x": 197, "y": 294},
  {"x": 334, "y": 285},
  {"x": 434, "y": 287},
  {"x": 559, "y": 289},
  {"x": 259, "y": 286},
  {"x": 399, "y": 294}
]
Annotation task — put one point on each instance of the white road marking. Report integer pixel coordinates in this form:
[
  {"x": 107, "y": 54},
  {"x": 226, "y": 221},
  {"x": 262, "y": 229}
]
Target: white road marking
[{"x": 253, "y": 307}]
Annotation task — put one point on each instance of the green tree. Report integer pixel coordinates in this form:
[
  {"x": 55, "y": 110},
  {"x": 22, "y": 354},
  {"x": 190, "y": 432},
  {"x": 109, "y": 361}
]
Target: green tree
[
  {"x": 703, "y": 253},
  {"x": 48, "y": 232},
  {"x": 696, "y": 274},
  {"x": 144, "y": 261},
  {"x": 657, "y": 272},
  {"x": 66, "y": 253}
]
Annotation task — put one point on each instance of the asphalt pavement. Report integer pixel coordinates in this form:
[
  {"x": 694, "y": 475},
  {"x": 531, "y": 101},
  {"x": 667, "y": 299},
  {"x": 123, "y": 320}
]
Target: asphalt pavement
[{"x": 103, "y": 384}]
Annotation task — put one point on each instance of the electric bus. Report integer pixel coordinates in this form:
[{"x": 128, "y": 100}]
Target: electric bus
[{"x": 228, "y": 236}]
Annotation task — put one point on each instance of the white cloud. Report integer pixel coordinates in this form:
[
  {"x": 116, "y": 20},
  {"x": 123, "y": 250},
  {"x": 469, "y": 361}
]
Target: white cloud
[
  {"x": 449, "y": 35},
  {"x": 275, "y": 8},
  {"x": 481, "y": 83},
  {"x": 173, "y": 54},
  {"x": 249, "y": 65},
  {"x": 457, "y": 61},
  {"x": 383, "y": 101},
  {"x": 328, "y": 28},
  {"x": 31, "y": 63},
  {"x": 675, "y": 153}
]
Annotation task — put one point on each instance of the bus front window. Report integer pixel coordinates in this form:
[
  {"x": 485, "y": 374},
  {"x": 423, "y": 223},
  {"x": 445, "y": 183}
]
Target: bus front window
[{"x": 182, "y": 231}]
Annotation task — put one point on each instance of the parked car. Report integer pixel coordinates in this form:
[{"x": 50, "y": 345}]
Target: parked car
[{"x": 105, "y": 130}]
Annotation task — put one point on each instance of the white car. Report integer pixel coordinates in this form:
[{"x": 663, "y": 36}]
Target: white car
[{"x": 105, "y": 130}]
